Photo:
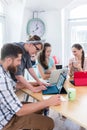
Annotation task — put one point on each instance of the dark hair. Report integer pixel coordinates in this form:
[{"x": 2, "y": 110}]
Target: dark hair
[
  {"x": 34, "y": 38},
  {"x": 42, "y": 58},
  {"x": 79, "y": 47},
  {"x": 10, "y": 50},
  {"x": 38, "y": 43}
]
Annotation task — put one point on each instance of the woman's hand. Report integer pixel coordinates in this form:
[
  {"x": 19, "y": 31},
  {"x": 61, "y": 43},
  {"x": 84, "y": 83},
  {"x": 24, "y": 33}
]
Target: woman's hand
[
  {"x": 71, "y": 69},
  {"x": 77, "y": 65},
  {"x": 48, "y": 71}
]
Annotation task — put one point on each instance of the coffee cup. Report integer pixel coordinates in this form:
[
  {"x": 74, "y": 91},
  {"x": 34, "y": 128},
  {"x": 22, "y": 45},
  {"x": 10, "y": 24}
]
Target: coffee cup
[{"x": 71, "y": 94}]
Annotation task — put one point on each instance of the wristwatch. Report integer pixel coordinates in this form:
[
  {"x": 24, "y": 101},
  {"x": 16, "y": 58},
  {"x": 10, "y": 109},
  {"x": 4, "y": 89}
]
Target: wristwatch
[{"x": 35, "y": 26}]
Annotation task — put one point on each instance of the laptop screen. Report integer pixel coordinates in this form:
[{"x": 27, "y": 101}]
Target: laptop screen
[
  {"x": 55, "y": 75},
  {"x": 60, "y": 82}
]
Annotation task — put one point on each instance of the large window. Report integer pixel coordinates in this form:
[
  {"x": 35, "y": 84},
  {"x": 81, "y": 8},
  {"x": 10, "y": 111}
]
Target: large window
[
  {"x": 78, "y": 26},
  {"x": 79, "y": 35},
  {"x": 1, "y": 34},
  {"x": 74, "y": 20},
  {"x": 2, "y": 19}
]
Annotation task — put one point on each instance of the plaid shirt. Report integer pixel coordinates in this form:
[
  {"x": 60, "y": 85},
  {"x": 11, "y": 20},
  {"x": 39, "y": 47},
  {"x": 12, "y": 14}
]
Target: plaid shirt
[{"x": 9, "y": 103}]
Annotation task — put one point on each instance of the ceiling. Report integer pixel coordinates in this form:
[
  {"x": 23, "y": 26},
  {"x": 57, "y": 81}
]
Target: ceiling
[
  {"x": 41, "y": 5},
  {"x": 46, "y": 5}
]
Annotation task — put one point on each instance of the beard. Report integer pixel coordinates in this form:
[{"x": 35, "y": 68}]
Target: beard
[{"x": 12, "y": 69}]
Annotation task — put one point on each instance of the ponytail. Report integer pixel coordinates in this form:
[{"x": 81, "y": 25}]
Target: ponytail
[{"x": 82, "y": 59}]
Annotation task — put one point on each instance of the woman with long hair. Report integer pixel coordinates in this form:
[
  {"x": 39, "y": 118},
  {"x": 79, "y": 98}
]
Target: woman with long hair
[
  {"x": 79, "y": 61},
  {"x": 46, "y": 62}
]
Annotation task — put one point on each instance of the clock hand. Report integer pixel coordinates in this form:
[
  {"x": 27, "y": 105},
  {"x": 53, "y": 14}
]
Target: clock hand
[{"x": 36, "y": 29}]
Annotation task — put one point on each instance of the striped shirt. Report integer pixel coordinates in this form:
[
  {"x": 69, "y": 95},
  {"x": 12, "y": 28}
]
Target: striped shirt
[{"x": 9, "y": 102}]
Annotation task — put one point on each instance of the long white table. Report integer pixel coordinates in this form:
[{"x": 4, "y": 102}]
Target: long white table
[{"x": 73, "y": 110}]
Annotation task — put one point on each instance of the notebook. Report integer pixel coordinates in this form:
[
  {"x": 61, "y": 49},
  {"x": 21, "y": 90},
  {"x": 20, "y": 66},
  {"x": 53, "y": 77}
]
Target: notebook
[
  {"x": 55, "y": 75},
  {"x": 57, "y": 88}
]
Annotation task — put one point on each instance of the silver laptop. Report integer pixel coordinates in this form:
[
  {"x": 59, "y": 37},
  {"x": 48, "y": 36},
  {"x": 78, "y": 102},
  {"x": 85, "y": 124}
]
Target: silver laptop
[{"x": 55, "y": 75}]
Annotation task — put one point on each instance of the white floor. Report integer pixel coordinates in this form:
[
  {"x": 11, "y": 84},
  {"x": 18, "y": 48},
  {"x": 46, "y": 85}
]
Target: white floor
[{"x": 60, "y": 123}]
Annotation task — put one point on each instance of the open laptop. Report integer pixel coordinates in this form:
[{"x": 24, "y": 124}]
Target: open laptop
[
  {"x": 55, "y": 75},
  {"x": 80, "y": 79},
  {"x": 57, "y": 88}
]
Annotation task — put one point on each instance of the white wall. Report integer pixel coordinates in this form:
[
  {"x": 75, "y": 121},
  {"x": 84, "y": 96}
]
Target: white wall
[
  {"x": 14, "y": 19},
  {"x": 53, "y": 32},
  {"x": 16, "y": 22},
  {"x": 52, "y": 20}
]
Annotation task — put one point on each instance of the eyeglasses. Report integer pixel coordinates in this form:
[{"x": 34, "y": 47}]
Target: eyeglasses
[{"x": 38, "y": 49}]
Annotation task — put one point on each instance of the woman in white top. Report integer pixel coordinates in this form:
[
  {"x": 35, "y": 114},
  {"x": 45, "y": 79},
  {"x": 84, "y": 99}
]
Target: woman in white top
[{"x": 79, "y": 61}]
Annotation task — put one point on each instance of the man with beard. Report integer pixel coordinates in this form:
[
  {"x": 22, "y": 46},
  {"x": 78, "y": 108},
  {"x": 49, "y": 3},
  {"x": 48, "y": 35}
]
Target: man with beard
[{"x": 13, "y": 114}]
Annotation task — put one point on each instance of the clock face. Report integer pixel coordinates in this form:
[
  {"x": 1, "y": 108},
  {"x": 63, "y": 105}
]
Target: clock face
[{"x": 35, "y": 26}]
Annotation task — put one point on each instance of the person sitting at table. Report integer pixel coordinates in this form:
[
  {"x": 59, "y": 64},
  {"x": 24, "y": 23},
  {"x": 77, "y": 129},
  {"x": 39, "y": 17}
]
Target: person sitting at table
[
  {"x": 15, "y": 115},
  {"x": 79, "y": 61},
  {"x": 45, "y": 61}
]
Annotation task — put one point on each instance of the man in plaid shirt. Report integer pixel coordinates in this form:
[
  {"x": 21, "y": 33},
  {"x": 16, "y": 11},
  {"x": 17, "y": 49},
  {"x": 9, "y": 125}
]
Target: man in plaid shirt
[{"x": 13, "y": 114}]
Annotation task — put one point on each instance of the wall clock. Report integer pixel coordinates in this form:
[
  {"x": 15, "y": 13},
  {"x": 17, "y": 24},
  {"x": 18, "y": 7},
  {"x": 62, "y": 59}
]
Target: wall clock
[{"x": 35, "y": 26}]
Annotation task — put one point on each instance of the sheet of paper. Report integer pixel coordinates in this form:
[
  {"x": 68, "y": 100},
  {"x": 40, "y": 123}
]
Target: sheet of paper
[
  {"x": 48, "y": 96},
  {"x": 63, "y": 99}
]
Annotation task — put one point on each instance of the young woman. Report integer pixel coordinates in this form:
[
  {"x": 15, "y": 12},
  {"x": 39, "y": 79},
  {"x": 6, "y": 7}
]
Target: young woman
[
  {"x": 46, "y": 63},
  {"x": 79, "y": 61}
]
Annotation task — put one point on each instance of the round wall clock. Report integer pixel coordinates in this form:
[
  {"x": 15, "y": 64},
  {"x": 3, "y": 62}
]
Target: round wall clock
[{"x": 35, "y": 26}]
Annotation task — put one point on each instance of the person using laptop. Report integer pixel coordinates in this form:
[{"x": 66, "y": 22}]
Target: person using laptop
[
  {"x": 46, "y": 63},
  {"x": 79, "y": 61},
  {"x": 33, "y": 47},
  {"x": 15, "y": 115},
  {"x": 33, "y": 58}
]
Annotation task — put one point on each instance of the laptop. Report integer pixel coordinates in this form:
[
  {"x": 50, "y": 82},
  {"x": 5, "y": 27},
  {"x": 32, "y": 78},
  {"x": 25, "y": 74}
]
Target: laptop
[
  {"x": 80, "y": 79},
  {"x": 57, "y": 88},
  {"x": 55, "y": 75}
]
